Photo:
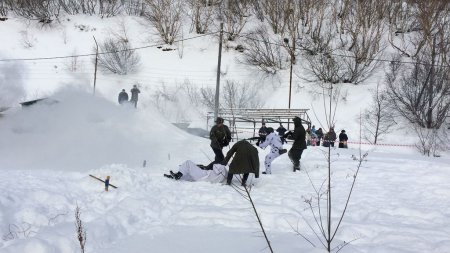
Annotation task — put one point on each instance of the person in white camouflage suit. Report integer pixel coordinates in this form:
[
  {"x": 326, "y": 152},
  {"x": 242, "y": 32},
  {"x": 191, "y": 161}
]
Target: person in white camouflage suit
[{"x": 276, "y": 149}]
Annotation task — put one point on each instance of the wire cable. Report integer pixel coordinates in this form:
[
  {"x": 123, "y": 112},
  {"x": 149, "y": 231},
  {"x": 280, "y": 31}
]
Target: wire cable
[
  {"x": 344, "y": 56},
  {"x": 110, "y": 52}
]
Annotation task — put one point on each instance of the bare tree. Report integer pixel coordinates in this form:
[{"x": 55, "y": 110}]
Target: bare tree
[
  {"x": 342, "y": 41},
  {"x": 80, "y": 229},
  {"x": 421, "y": 92},
  {"x": 424, "y": 20},
  {"x": 261, "y": 52},
  {"x": 245, "y": 192},
  {"x": 275, "y": 14},
  {"x": 165, "y": 16},
  {"x": 201, "y": 14},
  {"x": 361, "y": 41},
  {"x": 116, "y": 56},
  {"x": 321, "y": 204},
  {"x": 235, "y": 95},
  {"x": 42, "y": 10},
  {"x": 235, "y": 16},
  {"x": 432, "y": 141},
  {"x": 240, "y": 95},
  {"x": 3, "y": 10},
  {"x": 379, "y": 118},
  {"x": 109, "y": 8},
  {"x": 135, "y": 7}
]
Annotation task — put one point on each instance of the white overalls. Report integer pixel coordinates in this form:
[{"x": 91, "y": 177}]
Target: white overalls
[{"x": 276, "y": 145}]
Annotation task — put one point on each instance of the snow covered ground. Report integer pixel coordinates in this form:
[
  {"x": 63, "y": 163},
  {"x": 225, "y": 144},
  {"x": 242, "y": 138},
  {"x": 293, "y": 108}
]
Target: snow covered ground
[{"x": 400, "y": 202}]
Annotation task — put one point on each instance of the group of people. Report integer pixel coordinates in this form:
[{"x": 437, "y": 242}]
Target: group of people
[
  {"x": 244, "y": 156},
  {"x": 314, "y": 137},
  {"x": 123, "y": 96}
]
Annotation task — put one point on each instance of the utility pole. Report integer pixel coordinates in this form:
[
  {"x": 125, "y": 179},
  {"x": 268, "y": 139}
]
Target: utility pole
[
  {"x": 291, "y": 53},
  {"x": 219, "y": 61},
  {"x": 216, "y": 103},
  {"x": 96, "y": 61}
]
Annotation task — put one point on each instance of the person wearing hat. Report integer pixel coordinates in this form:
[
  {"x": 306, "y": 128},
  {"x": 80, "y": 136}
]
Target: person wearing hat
[
  {"x": 134, "y": 95},
  {"x": 298, "y": 136},
  {"x": 276, "y": 149},
  {"x": 281, "y": 131},
  {"x": 343, "y": 139},
  {"x": 262, "y": 133},
  {"x": 220, "y": 136},
  {"x": 123, "y": 97}
]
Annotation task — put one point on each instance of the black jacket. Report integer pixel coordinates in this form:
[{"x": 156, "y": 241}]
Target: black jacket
[
  {"x": 343, "y": 137},
  {"x": 123, "y": 96},
  {"x": 219, "y": 135},
  {"x": 281, "y": 130},
  {"x": 299, "y": 135},
  {"x": 245, "y": 158}
]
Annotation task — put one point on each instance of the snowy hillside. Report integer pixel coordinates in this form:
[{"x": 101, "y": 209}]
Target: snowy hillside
[{"x": 399, "y": 202}]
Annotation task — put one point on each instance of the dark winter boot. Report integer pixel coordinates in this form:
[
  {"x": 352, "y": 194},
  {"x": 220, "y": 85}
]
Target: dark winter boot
[
  {"x": 177, "y": 175},
  {"x": 168, "y": 176},
  {"x": 282, "y": 151}
]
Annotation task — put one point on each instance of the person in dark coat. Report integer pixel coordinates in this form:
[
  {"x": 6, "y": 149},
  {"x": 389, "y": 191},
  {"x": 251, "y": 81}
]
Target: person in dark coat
[
  {"x": 123, "y": 97},
  {"x": 299, "y": 136},
  {"x": 281, "y": 131},
  {"x": 220, "y": 136},
  {"x": 245, "y": 161},
  {"x": 319, "y": 134},
  {"x": 262, "y": 134},
  {"x": 134, "y": 95},
  {"x": 332, "y": 136},
  {"x": 343, "y": 139}
]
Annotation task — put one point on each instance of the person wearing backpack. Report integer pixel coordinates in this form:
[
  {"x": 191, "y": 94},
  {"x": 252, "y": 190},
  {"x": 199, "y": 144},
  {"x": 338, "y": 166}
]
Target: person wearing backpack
[{"x": 220, "y": 136}]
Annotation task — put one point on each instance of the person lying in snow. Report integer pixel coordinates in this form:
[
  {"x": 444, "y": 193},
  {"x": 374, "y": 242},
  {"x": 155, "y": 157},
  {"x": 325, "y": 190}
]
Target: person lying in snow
[{"x": 189, "y": 171}]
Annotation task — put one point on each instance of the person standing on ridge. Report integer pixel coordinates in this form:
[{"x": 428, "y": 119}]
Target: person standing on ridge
[
  {"x": 134, "y": 95},
  {"x": 123, "y": 97}
]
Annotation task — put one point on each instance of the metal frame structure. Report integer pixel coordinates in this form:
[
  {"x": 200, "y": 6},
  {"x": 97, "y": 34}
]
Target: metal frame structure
[{"x": 254, "y": 116}]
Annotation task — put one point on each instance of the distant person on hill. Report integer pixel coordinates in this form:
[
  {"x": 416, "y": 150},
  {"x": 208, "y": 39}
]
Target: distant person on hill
[
  {"x": 299, "y": 136},
  {"x": 343, "y": 139},
  {"x": 123, "y": 97},
  {"x": 134, "y": 95},
  {"x": 220, "y": 136},
  {"x": 281, "y": 131},
  {"x": 189, "y": 171},
  {"x": 276, "y": 149},
  {"x": 245, "y": 161}
]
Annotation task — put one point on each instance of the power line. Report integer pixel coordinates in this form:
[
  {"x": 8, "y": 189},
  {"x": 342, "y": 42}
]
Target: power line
[{"x": 93, "y": 54}]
